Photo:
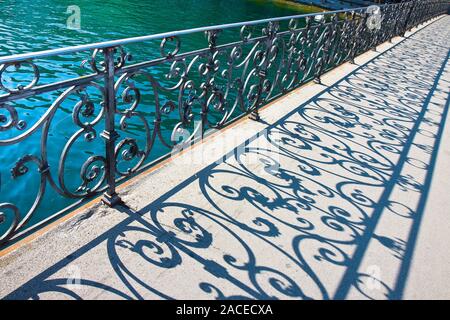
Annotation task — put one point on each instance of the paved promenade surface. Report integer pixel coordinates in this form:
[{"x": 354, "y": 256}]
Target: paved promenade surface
[{"x": 341, "y": 191}]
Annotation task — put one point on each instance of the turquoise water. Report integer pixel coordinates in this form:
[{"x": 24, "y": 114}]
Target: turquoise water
[
  {"x": 27, "y": 26},
  {"x": 41, "y": 24}
]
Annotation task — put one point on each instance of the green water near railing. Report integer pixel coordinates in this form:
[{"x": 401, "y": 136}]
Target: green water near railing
[
  {"x": 27, "y": 26},
  {"x": 41, "y": 24}
]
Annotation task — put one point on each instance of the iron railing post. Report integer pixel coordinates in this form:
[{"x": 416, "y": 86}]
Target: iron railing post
[
  {"x": 405, "y": 27},
  {"x": 355, "y": 39},
  {"x": 396, "y": 29},
  {"x": 110, "y": 135},
  {"x": 262, "y": 73}
]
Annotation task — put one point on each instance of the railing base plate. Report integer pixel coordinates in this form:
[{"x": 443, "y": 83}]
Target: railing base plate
[
  {"x": 111, "y": 200},
  {"x": 254, "y": 116}
]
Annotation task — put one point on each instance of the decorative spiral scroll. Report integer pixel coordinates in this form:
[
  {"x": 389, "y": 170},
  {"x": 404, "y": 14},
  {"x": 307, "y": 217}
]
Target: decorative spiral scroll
[
  {"x": 245, "y": 33},
  {"x": 185, "y": 95},
  {"x": 174, "y": 51},
  {"x": 21, "y": 87},
  {"x": 98, "y": 64},
  {"x": 271, "y": 29},
  {"x": 92, "y": 169},
  {"x": 11, "y": 120},
  {"x": 86, "y": 116},
  {"x": 8, "y": 209},
  {"x": 293, "y": 24},
  {"x": 18, "y": 220},
  {"x": 128, "y": 150}
]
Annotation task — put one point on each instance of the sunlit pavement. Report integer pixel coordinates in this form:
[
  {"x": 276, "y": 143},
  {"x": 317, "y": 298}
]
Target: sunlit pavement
[{"x": 339, "y": 192}]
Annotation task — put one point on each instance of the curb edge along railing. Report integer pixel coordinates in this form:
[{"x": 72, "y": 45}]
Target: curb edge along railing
[{"x": 277, "y": 60}]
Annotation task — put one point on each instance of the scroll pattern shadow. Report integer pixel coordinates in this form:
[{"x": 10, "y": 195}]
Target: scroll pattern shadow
[
  {"x": 278, "y": 228},
  {"x": 169, "y": 101}
]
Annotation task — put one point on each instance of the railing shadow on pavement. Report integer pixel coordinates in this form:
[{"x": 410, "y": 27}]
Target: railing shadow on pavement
[
  {"x": 71, "y": 133},
  {"x": 327, "y": 174}
]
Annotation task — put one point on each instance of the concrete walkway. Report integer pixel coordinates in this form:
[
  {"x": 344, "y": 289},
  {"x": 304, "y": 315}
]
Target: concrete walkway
[{"x": 341, "y": 191}]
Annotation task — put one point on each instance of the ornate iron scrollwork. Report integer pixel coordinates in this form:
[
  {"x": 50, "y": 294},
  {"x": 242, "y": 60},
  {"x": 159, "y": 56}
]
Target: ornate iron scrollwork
[{"x": 240, "y": 67}]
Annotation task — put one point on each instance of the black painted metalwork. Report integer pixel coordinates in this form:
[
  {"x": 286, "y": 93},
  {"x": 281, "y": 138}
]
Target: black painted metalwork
[{"x": 215, "y": 85}]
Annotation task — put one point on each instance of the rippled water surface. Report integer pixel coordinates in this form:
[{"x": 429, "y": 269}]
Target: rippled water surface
[
  {"x": 27, "y": 26},
  {"x": 41, "y": 24}
]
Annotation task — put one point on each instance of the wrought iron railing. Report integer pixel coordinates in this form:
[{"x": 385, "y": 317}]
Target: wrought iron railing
[{"x": 126, "y": 111}]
